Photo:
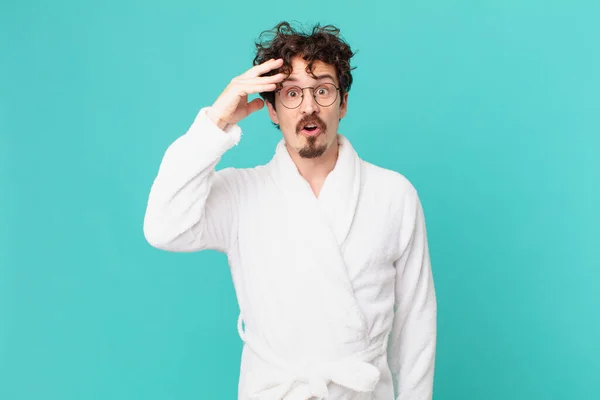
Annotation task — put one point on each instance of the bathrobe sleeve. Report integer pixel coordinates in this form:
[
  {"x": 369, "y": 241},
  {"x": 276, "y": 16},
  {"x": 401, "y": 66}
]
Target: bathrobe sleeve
[
  {"x": 412, "y": 345},
  {"x": 191, "y": 206}
]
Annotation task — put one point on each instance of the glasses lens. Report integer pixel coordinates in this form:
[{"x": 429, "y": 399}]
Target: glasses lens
[
  {"x": 291, "y": 96},
  {"x": 325, "y": 94}
]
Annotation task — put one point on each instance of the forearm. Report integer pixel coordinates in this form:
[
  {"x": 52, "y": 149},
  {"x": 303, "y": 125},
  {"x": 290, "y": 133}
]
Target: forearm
[
  {"x": 175, "y": 218},
  {"x": 417, "y": 349}
]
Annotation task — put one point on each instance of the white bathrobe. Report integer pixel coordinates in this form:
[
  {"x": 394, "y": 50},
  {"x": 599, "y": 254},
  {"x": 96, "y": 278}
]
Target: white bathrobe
[{"x": 336, "y": 293}]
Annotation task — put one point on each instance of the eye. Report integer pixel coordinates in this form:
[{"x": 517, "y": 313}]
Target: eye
[
  {"x": 322, "y": 91},
  {"x": 292, "y": 93}
]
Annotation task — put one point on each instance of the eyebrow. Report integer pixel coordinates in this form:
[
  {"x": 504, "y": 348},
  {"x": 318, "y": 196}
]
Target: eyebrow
[{"x": 319, "y": 77}]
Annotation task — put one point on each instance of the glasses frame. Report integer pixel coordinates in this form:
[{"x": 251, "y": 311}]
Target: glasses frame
[{"x": 337, "y": 91}]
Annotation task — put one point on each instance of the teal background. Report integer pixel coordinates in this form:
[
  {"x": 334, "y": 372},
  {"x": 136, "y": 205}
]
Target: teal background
[{"x": 491, "y": 109}]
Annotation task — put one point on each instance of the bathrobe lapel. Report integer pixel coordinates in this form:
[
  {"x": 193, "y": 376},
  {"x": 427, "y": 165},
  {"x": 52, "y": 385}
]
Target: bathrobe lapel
[{"x": 321, "y": 226}]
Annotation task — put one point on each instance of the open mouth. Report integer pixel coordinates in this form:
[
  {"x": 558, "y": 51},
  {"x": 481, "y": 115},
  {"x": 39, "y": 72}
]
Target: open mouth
[{"x": 310, "y": 129}]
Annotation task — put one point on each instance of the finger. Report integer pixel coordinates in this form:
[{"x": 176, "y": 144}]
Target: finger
[
  {"x": 255, "y": 105},
  {"x": 252, "y": 89},
  {"x": 264, "y": 80},
  {"x": 263, "y": 68}
]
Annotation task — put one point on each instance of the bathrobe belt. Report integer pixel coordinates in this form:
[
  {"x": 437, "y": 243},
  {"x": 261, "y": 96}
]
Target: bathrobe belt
[{"x": 351, "y": 372}]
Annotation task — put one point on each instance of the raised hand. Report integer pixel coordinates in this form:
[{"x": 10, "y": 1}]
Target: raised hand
[{"x": 232, "y": 105}]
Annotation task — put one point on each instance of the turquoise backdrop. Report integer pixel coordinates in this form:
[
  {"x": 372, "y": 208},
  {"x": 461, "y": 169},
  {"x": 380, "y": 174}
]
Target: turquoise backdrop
[{"x": 491, "y": 108}]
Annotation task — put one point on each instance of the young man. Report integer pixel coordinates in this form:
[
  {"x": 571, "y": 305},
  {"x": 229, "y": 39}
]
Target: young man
[{"x": 328, "y": 253}]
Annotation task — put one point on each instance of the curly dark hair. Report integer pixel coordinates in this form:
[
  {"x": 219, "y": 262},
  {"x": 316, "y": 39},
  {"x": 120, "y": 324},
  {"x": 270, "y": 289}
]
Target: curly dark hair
[{"x": 322, "y": 44}]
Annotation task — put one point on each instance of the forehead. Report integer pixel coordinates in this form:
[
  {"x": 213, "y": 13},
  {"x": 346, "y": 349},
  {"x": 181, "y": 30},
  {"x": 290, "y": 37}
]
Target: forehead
[{"x": 325, "y": 72}]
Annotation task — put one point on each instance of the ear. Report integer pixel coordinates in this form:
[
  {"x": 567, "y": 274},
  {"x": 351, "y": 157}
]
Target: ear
[
  {"x": 272, "y": 113},
  {"x": 344, "y": 106}
]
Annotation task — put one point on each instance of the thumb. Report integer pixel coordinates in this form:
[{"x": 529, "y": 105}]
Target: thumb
[{"x": 255, "y": 105}]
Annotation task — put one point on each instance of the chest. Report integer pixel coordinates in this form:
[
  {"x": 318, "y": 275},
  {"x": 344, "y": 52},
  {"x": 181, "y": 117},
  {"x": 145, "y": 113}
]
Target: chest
[{"x": 272, "y": 231}]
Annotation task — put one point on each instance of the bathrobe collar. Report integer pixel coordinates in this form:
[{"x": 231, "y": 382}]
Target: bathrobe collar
[{"x": 338, "y": 197}]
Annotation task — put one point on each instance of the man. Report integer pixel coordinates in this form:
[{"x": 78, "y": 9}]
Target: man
[{"x": 328, "y": 253}]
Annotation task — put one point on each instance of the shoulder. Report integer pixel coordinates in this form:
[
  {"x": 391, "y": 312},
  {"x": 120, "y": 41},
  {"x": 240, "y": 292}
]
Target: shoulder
[
  {"x": 241, "y": 179},
  {"x": 387, "y": 182}
]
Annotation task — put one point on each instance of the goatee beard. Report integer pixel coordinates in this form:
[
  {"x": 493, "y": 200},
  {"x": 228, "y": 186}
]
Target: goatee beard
[{"x": 312, "y": 149}]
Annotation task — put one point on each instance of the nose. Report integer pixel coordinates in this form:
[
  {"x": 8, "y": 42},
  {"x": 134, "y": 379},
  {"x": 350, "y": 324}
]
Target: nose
[{"x": 309, "y": 105}]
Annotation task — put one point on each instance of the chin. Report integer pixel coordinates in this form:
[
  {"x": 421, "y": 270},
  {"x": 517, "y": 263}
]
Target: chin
[
  {"x": 312, "y": 152},
  {"x": 314, "y": 146}
]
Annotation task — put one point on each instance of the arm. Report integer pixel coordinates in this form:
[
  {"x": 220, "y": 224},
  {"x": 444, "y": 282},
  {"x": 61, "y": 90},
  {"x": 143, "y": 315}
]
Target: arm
[
  {"x": 192, "y": 206},
  {"x": 412, "y": 345}
]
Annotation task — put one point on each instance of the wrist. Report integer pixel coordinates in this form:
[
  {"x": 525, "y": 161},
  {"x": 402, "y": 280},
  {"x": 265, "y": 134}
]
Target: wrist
[{"x": 216, "y": 119}]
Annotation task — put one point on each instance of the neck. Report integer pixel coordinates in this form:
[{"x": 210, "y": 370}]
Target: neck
[{"x": 315, "y": 170}]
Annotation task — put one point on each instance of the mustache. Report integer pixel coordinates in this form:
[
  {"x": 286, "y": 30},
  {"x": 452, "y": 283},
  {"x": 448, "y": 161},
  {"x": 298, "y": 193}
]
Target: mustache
[{"x": 311, "y": 119}]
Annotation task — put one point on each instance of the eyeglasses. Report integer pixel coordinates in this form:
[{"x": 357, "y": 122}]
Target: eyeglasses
[{"x": 292, "y": 96}]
